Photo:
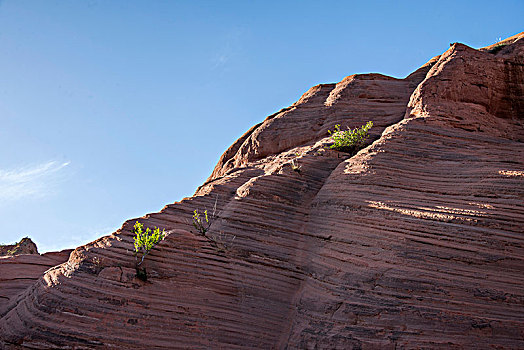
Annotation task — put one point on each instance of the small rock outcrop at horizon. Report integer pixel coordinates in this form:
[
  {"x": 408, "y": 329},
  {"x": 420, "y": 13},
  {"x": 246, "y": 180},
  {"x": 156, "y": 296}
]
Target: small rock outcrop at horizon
[
  {"x": 417, "y": 241},
  {"x": 25, "y": 246},
  {"x": 21, "y": 266}
]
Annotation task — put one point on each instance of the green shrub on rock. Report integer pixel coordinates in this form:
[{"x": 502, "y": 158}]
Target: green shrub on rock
[
  {"x": 350, "y": 141},
  {"x": 144, "y": 242},
  {"x": 202, "y": 224}
]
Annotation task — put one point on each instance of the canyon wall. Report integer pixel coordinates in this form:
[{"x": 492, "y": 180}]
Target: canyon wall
[{"x": 417, "y": 241}]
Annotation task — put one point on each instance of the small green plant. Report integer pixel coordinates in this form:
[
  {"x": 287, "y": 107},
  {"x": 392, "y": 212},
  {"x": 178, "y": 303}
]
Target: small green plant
[
  {"x": 295, "y": 166},
  {"x": 203, "y": 223},
  {"x": 350, "y": 141},
  {"x": 144, "y": 242},
  {"x": 320, "y": 152}
]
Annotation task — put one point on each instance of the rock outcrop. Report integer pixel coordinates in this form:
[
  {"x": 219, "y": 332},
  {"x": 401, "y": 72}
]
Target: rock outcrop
[
  {"x": 25, "y": 246},
  {"x": 417, "y": 241},
  {"x": 19, "y": 272}
]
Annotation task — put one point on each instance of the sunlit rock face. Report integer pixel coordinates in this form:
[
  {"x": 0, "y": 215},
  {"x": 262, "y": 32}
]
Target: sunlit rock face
[{"x": 417, "y": 241}]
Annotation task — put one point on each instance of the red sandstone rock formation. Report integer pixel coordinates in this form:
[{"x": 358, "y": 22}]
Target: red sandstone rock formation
[
  {"x": 17, "y": 273},
  {"x": 25, "y": 246},
  {"x": 415, "y": 242}
]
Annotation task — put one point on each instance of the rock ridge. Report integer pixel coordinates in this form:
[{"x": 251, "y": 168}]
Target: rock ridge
[{"x": 25, "y": 246}]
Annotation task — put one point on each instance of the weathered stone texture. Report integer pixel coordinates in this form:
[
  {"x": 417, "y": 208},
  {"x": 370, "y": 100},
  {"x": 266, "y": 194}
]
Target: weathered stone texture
[{"x": 415, "y": 242}]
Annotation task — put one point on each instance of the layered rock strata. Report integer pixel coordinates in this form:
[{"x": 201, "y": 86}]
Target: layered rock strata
[
  {"x": 415, "y": 242},
  {"x": 17, "y": 273}
]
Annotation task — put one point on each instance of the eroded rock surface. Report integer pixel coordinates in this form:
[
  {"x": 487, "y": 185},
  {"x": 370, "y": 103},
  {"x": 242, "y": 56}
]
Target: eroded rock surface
[
  {"x": 25, "y": 246},
  {"x": 21, "y": 271},
  {"x": 415, "y": 242}
]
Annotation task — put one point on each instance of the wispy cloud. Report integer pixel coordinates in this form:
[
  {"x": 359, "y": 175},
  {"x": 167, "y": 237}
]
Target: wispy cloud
[
  {"x": 221, "y": 59},
  {"x": 37, "y": 180},
  {"x": 229, "y": 47}
]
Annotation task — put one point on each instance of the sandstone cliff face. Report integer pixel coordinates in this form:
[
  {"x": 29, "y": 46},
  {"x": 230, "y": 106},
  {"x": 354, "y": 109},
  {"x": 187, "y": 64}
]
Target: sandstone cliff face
[
  {"x": 17, "y": 273},
  {"x": 416, "y": 241}
]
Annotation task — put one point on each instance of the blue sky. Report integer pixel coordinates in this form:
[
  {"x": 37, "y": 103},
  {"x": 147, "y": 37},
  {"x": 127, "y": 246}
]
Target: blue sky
[{"x": 112, "y": 109}]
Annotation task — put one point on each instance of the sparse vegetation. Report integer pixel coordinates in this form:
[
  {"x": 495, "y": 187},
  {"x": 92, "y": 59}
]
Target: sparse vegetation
[
  {"x": 295, "y": 166},
  {"x": 202, "y": 223},
  {"x": 222, "y": 242},
  {"x": 350, "y": 141},
  {"x": 25, "y": 246},
  {"x": 144, "y": 242},
  {"x": 97, "y": 264}
]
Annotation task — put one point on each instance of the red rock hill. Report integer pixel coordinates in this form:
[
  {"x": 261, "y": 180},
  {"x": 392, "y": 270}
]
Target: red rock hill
[
  {"x": 417, "y": 241},
  {"x": 25, "y": 246}
]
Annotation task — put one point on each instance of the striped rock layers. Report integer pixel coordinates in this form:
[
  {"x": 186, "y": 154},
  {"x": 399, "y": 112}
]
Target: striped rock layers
[{"x": 415, "y": 242}]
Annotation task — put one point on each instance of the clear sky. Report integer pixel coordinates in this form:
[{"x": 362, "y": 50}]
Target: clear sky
[{"x": 110, "y": 110}]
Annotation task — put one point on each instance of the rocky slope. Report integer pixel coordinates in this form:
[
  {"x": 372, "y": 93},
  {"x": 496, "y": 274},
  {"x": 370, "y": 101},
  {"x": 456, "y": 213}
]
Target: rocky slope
[
  {"x": 415, "y": 242},
  {"x": 19, "y": 272}
]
